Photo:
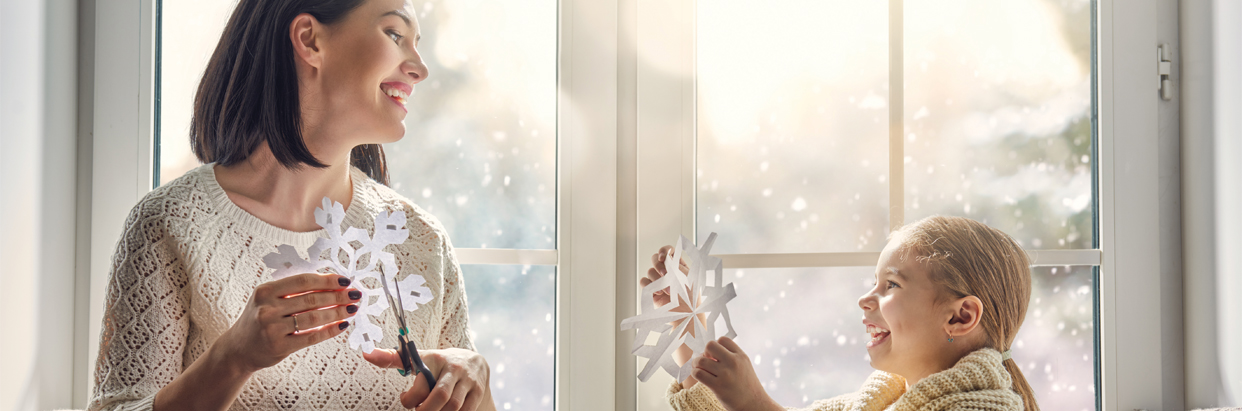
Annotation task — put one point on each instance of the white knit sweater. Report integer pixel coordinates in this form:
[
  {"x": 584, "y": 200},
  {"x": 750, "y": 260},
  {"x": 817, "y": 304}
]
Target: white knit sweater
[{"x": 189, "y": 260}]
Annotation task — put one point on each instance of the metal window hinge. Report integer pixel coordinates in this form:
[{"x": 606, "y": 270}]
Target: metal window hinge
[{"x": 1165, "y": 68}]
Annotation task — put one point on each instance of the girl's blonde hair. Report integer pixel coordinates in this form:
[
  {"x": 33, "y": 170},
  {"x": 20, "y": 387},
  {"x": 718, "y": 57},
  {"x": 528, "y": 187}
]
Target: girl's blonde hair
[{"x": 970, "y": 258}]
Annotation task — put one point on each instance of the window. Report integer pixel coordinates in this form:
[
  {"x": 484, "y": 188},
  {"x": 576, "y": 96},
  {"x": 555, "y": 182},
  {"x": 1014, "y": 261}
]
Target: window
[
  {"x": 479, "y": 154},
  {"x": 1111, "y": 236},
  {"x": 806, "y": 153}
]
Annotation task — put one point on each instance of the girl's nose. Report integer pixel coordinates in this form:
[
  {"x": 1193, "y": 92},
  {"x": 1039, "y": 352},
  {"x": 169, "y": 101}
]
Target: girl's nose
[{"x": 866, "y": 302}]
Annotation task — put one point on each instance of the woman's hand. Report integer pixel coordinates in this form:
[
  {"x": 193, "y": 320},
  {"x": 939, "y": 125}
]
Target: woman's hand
[
  {"x": 287, "y": 315},
  {"x": 462, "y": 378},
  {"x": 727, "y": 370},
  {"x": 263, "y": 335}
]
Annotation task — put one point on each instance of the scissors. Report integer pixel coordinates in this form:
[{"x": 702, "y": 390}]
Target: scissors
[{"x": 411, "y": 362}]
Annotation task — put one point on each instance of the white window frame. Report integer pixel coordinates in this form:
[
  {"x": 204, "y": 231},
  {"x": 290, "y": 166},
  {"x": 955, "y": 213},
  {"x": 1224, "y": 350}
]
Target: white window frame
[
  {"x": 592, "y": 369},
  {"x": 586, "y": 184},
  {"x": 1128, "y": 257}
]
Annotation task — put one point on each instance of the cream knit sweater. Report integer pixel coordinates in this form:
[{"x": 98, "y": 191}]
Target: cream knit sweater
[
  {"x": 185, "y": 267},
  {"x": 977, "y": 382}
]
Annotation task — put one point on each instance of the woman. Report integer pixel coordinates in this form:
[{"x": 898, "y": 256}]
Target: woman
[
  {"x": 292, "y": 108},
  {"x": 949, "y": 298}
]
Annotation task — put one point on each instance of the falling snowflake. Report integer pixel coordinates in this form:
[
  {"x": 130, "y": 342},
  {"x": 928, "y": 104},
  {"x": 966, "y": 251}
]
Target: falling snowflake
[
  {"x": 691, "y": 290},
  {"x": 342, "y": 259}
]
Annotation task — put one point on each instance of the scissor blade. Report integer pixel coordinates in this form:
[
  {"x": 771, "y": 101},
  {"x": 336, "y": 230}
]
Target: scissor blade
[{"x": 400, "y": 314}]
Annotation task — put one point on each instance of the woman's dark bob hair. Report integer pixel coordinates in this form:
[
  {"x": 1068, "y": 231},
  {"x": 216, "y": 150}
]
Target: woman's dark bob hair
[{"x": 249, "y": 92}]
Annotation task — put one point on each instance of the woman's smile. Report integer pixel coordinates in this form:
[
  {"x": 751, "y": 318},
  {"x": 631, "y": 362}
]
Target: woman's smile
[{"x": 398, "y": 92}]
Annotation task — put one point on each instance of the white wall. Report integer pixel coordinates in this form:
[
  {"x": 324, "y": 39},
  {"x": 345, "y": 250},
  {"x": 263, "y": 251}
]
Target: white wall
[
  {"x": 21, "y": 139},
  {"x": 38, "y": 127},
  {"x": 1211, "y": 38},
  {"x": 1227, "y": 75}
]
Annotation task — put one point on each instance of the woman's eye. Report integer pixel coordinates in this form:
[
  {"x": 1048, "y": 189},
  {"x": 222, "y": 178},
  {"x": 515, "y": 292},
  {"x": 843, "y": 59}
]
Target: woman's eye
[
  {"x": 892, "y": 285},
  {"x": 395, "y": 37}
]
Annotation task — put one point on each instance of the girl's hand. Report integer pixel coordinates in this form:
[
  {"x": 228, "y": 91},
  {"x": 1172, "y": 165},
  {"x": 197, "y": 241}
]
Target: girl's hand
[
  {"x": 462, "y": 378},
  {"x": 658, "y": 270},
  {"x": 265, "y": 333},
  {"x": 727, "y": 370}
]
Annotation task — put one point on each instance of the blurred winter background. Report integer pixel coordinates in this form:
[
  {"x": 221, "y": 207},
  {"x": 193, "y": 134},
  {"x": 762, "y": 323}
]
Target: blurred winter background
[
  {"x": 792, "y": 155},
  {"x": 793, "y": 139}
]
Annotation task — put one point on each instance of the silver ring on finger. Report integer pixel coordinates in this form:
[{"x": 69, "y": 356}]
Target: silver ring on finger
[{"x": 295, "y": 324}]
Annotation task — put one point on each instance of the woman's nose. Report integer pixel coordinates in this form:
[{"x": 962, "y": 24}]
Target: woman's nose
[{"x": 415, "y": 68}]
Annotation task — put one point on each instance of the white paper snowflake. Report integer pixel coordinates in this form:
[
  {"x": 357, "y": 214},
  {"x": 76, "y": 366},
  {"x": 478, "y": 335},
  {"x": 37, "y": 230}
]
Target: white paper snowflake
[
  {"x": 389, "y": 230},
  {"x": 692, "y": 290}
]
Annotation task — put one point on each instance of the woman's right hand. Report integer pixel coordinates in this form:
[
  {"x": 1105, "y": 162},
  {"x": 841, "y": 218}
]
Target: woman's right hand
[
  {"x": 658, "y": 270},
  {"x": 265, "y": 333}
]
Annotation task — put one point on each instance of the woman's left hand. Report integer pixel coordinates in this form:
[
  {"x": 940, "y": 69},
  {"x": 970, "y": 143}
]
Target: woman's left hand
[
  {"x": 462, "y": 378},
  {"x": 727, "y": 370}
]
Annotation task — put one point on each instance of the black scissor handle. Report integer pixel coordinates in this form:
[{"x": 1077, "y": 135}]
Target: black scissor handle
[{"x": 413, "y": 363}]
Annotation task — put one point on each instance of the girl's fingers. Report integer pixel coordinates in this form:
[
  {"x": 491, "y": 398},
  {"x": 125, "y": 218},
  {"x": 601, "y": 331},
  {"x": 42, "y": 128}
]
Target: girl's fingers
[
  {"x": 703, "y": 376},
  {"x": 309, "y": 320},
  {"x": 708, "y": 364},
  {"x": 320, "y": 299},
  {"x": 717, "y": 351},
  {"x": 302, "y": 283},
  {"x": 730, "y": 345}
]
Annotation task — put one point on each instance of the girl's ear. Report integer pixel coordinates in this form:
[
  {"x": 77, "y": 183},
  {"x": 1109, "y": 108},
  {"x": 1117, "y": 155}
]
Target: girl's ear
[
  {"x": 306, "y": 35},
  {"x": 967, "y": 312}
]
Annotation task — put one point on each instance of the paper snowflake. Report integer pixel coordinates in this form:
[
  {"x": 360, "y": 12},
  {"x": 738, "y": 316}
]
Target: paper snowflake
[
  {"x": 691, "y": 290},
  {"x": 342, "y": 258}
]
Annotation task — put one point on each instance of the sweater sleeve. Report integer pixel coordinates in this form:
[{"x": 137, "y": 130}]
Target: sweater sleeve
[
  {"x": 880, "y": 390},
  {"x": 456, "y": 318},
  {"x": 145, "y": 322},
  {"x": 696, "y": 398}
]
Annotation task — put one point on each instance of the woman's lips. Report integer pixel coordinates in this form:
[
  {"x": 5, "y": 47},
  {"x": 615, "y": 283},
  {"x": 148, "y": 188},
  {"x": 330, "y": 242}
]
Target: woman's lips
[
  {"x": 398, "y": 101},
  {"x": 397, "y": 92}
]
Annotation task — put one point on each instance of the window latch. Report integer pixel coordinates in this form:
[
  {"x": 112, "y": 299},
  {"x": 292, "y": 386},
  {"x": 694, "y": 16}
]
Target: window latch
[{"x": 1165, "y": 68}]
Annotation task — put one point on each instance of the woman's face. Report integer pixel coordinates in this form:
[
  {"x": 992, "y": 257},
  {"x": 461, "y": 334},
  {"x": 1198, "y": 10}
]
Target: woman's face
[
  {"x": 369, "y": 68},
  {"x": 905, "y": 322}
]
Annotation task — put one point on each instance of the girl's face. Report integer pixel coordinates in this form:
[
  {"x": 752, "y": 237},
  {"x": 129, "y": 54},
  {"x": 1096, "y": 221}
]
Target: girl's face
[
  {"x": 370, "y": 64},
  {"x": 906, "y": 324}
]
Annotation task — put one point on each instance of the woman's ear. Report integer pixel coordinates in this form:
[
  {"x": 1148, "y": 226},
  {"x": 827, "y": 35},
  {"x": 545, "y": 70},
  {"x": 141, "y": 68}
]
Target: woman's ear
[
  {"x": 967, "y": 312},
  {"x": 306, "y": 35}
]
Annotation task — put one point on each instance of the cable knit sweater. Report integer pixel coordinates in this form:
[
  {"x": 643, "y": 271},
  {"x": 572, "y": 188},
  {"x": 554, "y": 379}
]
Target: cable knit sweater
[
  {"x": 189, "y": 260},
  {"x": 977, "y": 382}
]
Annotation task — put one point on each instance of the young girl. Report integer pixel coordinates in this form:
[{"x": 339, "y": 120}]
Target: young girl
[{"x": 949, "y": 297}]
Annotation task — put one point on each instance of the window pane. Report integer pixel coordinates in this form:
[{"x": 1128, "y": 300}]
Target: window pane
[
  {"x": 513, "y": 318},
  {"x": 480, "y": 145},
  {"x": 998, "y": 116},
  {"x": 189, "y": 34},
  {"x": 792, "y": 123},
  {"x": 1055, "y": 346},
  {"x": 802, "y": 329}
]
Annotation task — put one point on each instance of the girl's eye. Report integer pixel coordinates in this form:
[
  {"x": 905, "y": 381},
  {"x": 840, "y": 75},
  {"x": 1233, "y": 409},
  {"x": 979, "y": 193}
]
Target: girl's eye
[
  {"x": 395, "y": 37},
  {"x": 892, "y": 285}
]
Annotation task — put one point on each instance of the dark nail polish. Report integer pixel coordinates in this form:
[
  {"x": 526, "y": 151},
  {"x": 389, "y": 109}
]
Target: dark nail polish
[
  {"x": 351, "y": 309},
  {"x": 355, "y": 295},
  {"x": 343, "y": 326},
  {"x": 343, "y": 281}
]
